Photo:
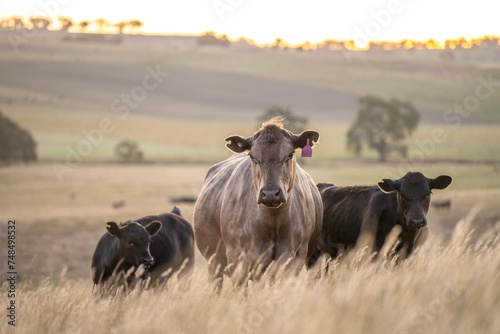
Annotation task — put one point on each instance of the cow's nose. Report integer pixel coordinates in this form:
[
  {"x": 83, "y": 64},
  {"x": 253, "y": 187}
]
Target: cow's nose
[
  {"x": 148, "y": 261},
  {"x": 270, "y": 195},
  {"x": 418, "y": 222}
]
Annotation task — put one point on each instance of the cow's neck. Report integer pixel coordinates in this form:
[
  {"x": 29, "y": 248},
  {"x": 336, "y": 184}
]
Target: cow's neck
[
  {"x": 408, "y": 234},
  {"x": 274, "y": 217}
]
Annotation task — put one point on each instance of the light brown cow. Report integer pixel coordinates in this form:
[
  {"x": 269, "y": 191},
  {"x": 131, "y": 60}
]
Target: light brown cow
[{"x": 258, "y": 207}]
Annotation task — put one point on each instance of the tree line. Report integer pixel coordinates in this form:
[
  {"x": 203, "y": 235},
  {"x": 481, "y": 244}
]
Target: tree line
[{"x": 65, "y": 23}]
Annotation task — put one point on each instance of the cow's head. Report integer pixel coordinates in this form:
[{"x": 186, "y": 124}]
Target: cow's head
[
  {"x": 133, "y": 242},
  {"x": 272, "y": 154},
  {"x": 414, "y": 195}
]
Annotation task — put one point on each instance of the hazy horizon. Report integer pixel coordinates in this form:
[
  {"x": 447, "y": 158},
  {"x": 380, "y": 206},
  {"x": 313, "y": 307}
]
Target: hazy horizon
[{"x": 295, "y": 22}]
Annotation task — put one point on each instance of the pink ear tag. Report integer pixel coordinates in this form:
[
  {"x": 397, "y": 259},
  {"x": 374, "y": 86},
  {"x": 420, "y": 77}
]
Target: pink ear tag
[{"x": 307, "y": 151}]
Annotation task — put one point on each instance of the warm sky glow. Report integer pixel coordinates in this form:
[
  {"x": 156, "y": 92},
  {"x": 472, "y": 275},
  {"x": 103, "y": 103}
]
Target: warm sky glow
[{"x": 295, "y": 21}]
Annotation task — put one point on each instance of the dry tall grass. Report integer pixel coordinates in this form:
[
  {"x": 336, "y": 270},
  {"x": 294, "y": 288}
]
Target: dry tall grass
[{"x": 452, "y": 288}]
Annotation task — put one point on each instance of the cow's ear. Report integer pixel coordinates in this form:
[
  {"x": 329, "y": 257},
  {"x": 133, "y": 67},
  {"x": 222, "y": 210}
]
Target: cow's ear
[
  {"x": 388, "y": 185},
  {"x": 238, "y": 144},
  {"x": 153, "y": 227},
  {"x": 113, "y": 229},
  {"x": 299, "y": 141},
  {"x": 441, "y": 182}
]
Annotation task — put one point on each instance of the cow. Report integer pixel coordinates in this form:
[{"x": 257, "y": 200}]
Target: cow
[
  {"x": 159, "y": 244},
  {"x": 351, "y": 211},
  {"x": 258, "y": 206}
]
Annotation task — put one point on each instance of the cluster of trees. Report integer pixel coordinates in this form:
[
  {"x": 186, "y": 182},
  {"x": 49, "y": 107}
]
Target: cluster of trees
[
  {"x": 65, "y": 23},
  {"x": 210, "y": 38},
  {"x": 381, "y": 125},
  {"x": 449, "y": 44},
  {"x": 128, "y": 151},
  {"x": 16, "y": 144}
]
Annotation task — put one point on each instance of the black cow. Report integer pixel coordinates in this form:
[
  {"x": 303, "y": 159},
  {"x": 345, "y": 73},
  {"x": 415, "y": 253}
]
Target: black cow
[
  {"x": 155, "y": 243},
  {"x": 350, "y": 210}
]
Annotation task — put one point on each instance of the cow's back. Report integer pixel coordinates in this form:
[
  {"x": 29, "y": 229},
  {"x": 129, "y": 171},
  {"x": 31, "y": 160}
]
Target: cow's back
[
  {"x": 344, "y": 211},
  {"x": 347, "y": 208}
]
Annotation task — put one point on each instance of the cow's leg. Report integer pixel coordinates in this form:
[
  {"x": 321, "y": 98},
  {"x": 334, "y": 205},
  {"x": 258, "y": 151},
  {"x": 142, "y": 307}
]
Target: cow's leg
[
  {"x": 292, "y": 260},
  {"x": 291, "y": 252},
  {"x": 238, "y": 266},
  {"x": 217, "y": 263},
  {"x": 212, "y": 248},
  {"x": 249, "y": 264}
]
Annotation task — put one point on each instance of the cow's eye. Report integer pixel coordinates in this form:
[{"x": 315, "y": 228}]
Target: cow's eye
[
  {"x": 290, "y": 156},
  {"x": 131, "y": 244}
]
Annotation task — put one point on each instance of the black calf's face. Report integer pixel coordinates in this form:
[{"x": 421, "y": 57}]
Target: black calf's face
[
  {"x": 414, "y": 195},
  {"x": 134, "y": 240}
]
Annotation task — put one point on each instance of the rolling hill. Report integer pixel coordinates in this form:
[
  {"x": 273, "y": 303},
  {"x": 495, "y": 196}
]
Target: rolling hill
[{"x": 179, "y": 99}]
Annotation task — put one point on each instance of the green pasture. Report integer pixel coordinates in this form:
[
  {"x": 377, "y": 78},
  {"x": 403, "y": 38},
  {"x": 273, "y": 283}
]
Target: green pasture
[{"x": 177, "y": 140}]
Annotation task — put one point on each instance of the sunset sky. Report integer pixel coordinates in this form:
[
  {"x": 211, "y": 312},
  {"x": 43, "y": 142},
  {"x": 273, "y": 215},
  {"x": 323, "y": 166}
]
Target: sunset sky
[{"x": 295, "y": 21}]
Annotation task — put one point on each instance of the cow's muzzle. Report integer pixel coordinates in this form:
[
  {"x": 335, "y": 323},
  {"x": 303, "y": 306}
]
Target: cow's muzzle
[
  {"x": 271, "y": 197},
  {"x": 417, "y": 222},
  {"x": 148, "y": 262}
]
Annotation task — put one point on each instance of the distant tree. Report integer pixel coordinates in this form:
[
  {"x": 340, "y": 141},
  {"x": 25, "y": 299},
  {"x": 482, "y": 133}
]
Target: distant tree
[
  {"x": 306, "y": 46},
  {"x": 450, "y": 44},
  {"x": 294, "y": 123},
  {"x": 101, "y": 24},
  {"x": 83, "y": 25},
  {"x": 41, "y": 23},
  {"x": 13, "y": 22},
  {"x": 135, "y": 24},
  {"x": 382, "y": 125},
  {"x": 121, "y": 26},
  {"x": 18, "y": 23},
  {"x": 16, "y": 144},
  {"x": 432, "y": 44},
  {"x": 128, "y": 151},
  {"x": 66, "y": 23},
  {"x": 279, "y": 43}
]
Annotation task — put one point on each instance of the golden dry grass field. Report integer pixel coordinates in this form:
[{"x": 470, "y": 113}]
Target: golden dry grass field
[
  {"x": 451, "y": 289},
  {"x": 450, "y": 285}
]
